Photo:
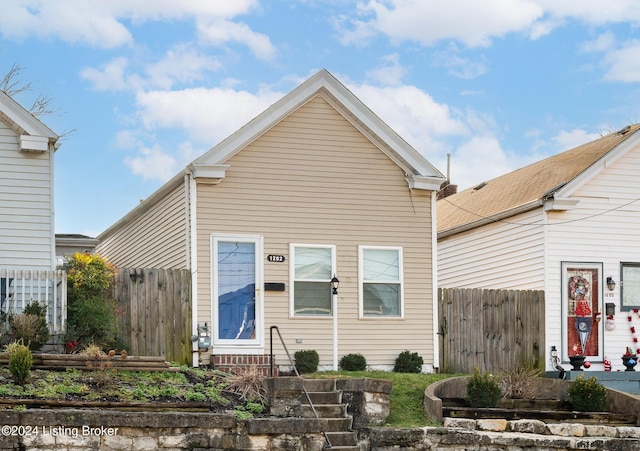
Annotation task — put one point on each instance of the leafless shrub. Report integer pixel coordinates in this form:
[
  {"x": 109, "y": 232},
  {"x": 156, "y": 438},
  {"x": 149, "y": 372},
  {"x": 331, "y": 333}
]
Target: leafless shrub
[
  {"x": 246, "y": 382},
  {"x": 518, "y": 383}
]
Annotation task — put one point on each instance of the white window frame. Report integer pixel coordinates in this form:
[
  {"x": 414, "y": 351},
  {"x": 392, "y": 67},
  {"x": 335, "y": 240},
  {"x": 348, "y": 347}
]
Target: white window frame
[
  {"x": 292, "y": 276},
  {"x": 361, "y": 281}
]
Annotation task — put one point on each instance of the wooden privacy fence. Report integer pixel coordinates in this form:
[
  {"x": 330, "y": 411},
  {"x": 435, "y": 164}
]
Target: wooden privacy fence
[
  {"x": 492, "y": 330},
  {"x": 154, "y": 307}
]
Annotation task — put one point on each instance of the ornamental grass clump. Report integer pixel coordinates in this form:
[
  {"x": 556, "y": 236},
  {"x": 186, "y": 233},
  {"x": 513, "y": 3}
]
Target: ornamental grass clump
[
  {"x": 587, "y": 395},
  {"x": 20, "y": 361},
  {"x": 483, "y": 390}
]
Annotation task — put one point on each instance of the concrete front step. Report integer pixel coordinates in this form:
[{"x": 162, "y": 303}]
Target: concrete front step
[
  {"x": 323, "y": 398},
  {"x": 341, "y": 439},
  {"x": 324, "y": 411},
  {"x": 298, "y": 425},
  {"x": 320, "y": 385}
]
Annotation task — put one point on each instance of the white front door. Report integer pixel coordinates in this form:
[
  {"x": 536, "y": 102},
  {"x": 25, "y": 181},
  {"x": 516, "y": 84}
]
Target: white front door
[{"x": 237, "y": 295}]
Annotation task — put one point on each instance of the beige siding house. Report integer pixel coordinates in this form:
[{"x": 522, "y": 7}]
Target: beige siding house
[
  {"x": 566, "y": 225},
  {"x": 317, "y": 186}
]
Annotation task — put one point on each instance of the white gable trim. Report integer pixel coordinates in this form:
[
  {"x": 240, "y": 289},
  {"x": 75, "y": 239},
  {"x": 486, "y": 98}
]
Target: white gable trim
[
  {"x": 27, "y": 122},
  {"x": 596, "y": 168},
  {"x": 323, "y": 83}
]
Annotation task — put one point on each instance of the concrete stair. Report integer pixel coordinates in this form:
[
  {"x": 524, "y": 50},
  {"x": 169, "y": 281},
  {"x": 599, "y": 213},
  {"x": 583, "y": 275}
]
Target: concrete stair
[{"x": 327, "y": 401}]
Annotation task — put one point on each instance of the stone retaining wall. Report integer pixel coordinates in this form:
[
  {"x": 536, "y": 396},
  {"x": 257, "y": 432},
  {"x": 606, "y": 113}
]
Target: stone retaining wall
[{"x": 487, "y": 434}]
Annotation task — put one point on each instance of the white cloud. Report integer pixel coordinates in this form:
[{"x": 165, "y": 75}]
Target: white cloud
[
  {"x": 482, "y": 158},
  {"x": 220, "y": 32},
  {"x": 604, "y": 42},
  {"x": 459, "y": 66},
  {"x": 153, "y": 163},
  {"x": 475, "y": 23},
  {"x": 110, "y": 78},
  {"x": 472, "y": 22},
  {"x": 206, "y": 115},
  {"x": 73, "y": 21},
  {"x": 180, "y": 64},
  {"x": 391, "y": 73},
  {"x": 623, "y": 64},
  {"x": 414, "y": 115},
  {"x": 596, "y": 12},
  {"x": 566, "y": 140},
  {"x": 101, "y": 23}
]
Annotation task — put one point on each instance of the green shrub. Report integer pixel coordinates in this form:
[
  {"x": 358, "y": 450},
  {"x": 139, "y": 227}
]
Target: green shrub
[
  {"x": 92, "y": 317},
  {"x": 408, "y": 362},
  {"x": 587, "y": 395},
  {"x": 20, "y": 361},
  {"x": 483, "y": 390},
  {"x": 30, "y": 326},
  {"x": 353, "y": 362},
  {"x": 306, "y": 361}
]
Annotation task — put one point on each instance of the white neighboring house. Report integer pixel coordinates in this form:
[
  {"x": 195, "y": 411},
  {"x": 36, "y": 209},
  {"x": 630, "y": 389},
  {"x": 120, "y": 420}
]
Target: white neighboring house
[
  {"x": 567, "y": 225},
  {"x": 27, "y": 235}
]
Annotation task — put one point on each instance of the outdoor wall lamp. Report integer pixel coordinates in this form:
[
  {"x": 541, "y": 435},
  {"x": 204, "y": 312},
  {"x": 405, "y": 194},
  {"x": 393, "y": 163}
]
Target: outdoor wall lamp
[
  {"x": 611, "y": 284},
  {"x": 334, "y": 284}
]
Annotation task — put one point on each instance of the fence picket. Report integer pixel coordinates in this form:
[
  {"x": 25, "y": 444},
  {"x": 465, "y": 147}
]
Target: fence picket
[
  {"x": 492, "y": 330},
  {"x": 155, "y": 306}
]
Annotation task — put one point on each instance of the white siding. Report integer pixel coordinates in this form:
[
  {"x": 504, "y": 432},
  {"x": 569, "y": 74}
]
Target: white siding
[
  {"x": 154, "y": 239},
  {"x": 507, "y": 254},
  {"x": 603, "y": 228},
  {"x": 26, "y": 229}
]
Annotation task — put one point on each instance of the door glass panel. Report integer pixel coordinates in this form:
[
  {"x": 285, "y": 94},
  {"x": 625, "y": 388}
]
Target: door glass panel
[{"x": 236, "y": 290}]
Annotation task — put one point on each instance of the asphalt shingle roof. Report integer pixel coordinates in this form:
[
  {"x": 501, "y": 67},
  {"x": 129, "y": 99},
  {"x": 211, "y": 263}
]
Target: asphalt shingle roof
[{"x": 525, "y": 185}]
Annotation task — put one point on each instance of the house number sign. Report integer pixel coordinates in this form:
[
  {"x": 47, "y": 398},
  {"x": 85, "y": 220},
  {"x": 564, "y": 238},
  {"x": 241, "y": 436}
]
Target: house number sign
[{"x": 276, "y": 258}]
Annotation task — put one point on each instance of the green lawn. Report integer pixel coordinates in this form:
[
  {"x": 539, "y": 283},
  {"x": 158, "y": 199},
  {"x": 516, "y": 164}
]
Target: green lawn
[{"x": 406, "y": 395}]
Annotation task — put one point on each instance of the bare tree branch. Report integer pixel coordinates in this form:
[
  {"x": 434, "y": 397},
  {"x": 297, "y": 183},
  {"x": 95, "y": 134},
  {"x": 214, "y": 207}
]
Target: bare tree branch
[{"x": 11, "y": 83}]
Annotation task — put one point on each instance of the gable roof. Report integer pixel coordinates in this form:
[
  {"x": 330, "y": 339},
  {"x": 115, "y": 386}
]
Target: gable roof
[
  {"x": 420, "y": 173},
  {"x": 22, "y": 121},
  {"x": 550, "y": 180}
]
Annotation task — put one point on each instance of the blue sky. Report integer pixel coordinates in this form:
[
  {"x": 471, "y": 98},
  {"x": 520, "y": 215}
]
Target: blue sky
[{"x": 141, "y": 88}]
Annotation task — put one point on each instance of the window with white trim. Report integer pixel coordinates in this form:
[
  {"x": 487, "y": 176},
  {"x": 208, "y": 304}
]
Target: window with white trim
[
  {"x": 629, "y": 286},
  {"x": 380, "y": 277},
  {"x": 312, "y": 267}
]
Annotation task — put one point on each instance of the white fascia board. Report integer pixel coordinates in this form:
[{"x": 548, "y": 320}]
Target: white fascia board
[
  {"x": 30, "y": 143},
  {"x": 609, "y": 158},
  {"x": 208, "y": 171},
  {"x": 24, "y": 119},
  {"x": 560, "y": 204},
  {"x": 426, "y": 183}
]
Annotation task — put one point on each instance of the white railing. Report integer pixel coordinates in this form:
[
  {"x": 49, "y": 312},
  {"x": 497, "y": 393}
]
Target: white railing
[{"x": 19, "y": 287}]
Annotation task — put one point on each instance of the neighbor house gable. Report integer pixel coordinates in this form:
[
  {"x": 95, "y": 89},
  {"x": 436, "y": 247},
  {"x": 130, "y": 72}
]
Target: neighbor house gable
[{"x": 33, "y": 135}]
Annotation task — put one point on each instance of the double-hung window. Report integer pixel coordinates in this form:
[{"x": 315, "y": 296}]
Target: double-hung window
[
  {"x": 380, "y": 278},
  {"x": 312, "y": 267},
  {"x": 630, "y": 286}
]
